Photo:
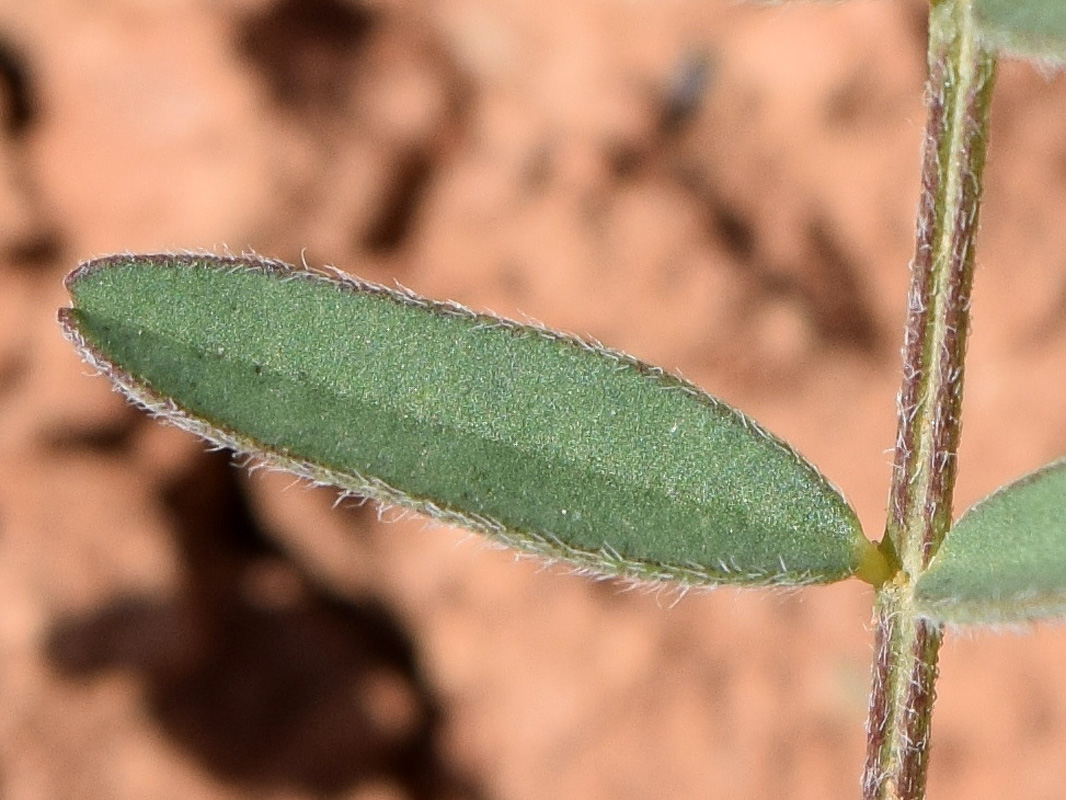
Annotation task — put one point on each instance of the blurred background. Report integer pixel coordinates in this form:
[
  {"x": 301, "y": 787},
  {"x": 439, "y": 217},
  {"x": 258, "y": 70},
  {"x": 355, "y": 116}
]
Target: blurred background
[{"x": 726, "y": 190}]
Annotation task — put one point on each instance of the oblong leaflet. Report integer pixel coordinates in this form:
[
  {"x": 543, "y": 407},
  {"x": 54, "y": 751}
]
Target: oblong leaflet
[{"x": 543, "y": 441}]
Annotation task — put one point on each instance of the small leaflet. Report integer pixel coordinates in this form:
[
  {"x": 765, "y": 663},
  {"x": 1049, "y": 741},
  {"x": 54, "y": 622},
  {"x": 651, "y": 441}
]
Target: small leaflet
[{"x": 1004, "y": 561}]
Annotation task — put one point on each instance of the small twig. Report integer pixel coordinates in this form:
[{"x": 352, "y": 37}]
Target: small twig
[{"x": 958, "y": 96}]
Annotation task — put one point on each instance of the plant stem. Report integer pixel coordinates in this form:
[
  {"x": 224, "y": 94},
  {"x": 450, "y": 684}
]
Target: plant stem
[{"x": 958, "y": 95}]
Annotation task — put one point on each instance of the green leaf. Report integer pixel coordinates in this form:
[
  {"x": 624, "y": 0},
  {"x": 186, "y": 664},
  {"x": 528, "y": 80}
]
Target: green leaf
[
  {"x": 554, "y": 445},
  {"x": 1005, "y": 560},
  {"x": 1031, "y": 28}
]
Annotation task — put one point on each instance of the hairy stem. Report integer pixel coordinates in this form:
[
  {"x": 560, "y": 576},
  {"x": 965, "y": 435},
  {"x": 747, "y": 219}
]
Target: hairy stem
[{"x": 958, "y": 96}]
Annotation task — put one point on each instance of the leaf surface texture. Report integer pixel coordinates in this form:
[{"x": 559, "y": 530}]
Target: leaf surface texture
[
  {"x": 560, "y": 447},
  {"x": 1004, "y": 561}
]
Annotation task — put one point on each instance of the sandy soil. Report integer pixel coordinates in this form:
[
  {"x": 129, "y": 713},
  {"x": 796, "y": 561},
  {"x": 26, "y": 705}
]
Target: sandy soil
[{"x": 725, "y": 190}]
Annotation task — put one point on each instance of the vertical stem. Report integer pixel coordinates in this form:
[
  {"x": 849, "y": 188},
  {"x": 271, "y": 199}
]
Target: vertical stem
[{"x": 958, "y": 96}]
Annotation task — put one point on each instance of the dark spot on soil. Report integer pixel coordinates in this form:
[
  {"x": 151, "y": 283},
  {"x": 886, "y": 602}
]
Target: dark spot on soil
[
  {"x": 685, "y": 92},
  {"x": 265, "y": 678},
  {"x": 843, "y": 311},
  {"x": 12, "y": 370},
  {"x": 17, "y": 107},
  {"x": 734, "y": 230},
  {"x": 114, "y": 436},
  {"x": 827, "y": 283},
  {"x": 41, "y": 249},
  {"x": 626, "y": 159},
  {"x": 397, "y": 213},
  {"x": 29, "y": 240},
  {"x": 307, "y": 50}
]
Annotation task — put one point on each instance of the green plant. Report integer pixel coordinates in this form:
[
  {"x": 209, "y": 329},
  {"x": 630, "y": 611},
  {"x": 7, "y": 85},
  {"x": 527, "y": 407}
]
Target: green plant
[{"x": 573, "y": 451}]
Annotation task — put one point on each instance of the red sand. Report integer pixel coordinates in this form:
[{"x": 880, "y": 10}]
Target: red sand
[{"x": 162, "y": 638}]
